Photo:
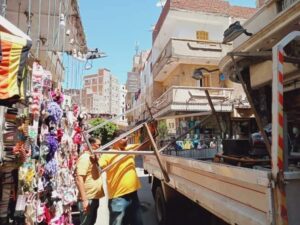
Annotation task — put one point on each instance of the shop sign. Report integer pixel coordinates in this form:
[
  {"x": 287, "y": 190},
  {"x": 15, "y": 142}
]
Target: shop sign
[
  {"x": 132, "y": 82},
  {"x": 171, "y": 125}
]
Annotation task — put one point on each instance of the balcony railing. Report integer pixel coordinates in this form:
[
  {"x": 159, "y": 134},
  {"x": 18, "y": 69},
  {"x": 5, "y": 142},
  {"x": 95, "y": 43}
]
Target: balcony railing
[
  {"x": 193, "y": 99},
  {"x": 183, "y": 51}
]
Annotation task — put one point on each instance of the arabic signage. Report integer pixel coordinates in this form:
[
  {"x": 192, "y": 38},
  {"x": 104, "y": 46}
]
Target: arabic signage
[{"x": 133, "y": 82}]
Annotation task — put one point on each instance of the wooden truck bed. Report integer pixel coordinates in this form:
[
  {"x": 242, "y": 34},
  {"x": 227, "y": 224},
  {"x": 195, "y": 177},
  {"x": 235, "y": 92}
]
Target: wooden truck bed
[{"x": 236, "y": 195}]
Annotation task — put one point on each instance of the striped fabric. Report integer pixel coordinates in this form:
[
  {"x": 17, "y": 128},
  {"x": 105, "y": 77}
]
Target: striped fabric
[{"x": 14, "y": 52}]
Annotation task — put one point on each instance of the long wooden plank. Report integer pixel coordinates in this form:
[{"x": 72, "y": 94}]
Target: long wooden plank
[
  {"x": 157, "y": 154},
  {"x": 250, "y": 197},
  {"x": 255, "y": 178},
  {"x": 213, "y": 110}
]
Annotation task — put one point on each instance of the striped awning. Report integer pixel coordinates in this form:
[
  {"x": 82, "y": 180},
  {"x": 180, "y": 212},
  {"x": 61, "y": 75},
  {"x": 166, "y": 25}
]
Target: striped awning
[{"x": 13, "y": 55}]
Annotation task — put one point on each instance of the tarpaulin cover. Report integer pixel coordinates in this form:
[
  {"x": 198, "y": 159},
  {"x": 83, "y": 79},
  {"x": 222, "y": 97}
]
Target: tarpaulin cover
[{"x": 13, "y": 55}]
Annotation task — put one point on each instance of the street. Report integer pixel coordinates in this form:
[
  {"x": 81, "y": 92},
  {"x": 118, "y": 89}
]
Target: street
[
  {"x": 212, "y": 86},
  {"x": 145, "y": 196}
]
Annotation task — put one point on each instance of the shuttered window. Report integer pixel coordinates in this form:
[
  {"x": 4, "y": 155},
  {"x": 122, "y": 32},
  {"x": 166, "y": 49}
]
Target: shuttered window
[{"x": 202, "y": 35}]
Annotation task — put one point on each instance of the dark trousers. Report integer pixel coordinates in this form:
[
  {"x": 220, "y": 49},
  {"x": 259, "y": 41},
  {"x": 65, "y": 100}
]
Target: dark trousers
[
  {"x": 90, "y": 217},
  {"x": 125, "y": 210}
]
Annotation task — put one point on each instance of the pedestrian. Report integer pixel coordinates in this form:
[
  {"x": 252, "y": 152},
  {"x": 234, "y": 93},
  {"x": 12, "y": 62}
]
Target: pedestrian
[
  {"x": 122, "y": 184},
  {"x": 89, "y": 184}
]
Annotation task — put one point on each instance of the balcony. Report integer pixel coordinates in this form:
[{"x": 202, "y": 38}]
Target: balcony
[
  {"x": 182, "y": 51},
  {"x": 193, "y": 99},
  {"x": 269, "y": 24}
]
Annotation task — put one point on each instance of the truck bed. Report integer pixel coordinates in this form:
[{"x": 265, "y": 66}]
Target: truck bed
[{"x": 236, "y": 195}]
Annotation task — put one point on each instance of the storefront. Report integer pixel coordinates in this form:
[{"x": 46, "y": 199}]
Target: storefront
[{"x": 38, "y": 140}]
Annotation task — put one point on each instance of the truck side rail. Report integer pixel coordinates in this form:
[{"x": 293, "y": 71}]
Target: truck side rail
[{"x": 236, "y": 195}]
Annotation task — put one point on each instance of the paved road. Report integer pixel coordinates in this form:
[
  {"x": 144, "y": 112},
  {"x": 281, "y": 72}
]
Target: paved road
[{"x": 145, "y": 196}]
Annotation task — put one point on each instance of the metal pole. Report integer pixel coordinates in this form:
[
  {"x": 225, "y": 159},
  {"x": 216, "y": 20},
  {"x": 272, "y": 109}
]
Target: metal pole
[
  {"x": 278, "y": 150},
  {"x": 81, "y": 87},
  {"x": 214, "y": 111},
  {"x": 127, "y": 152},
  {"x": 29, "y": 18},
  {"x": 37, "y": 53},
  {"x": 120, "y": 137},
  {"x": 117, "y": 160},
  {"x": 157, "y": 154},
  {"x": 91, "y": 150},
  {"x": 257, "y": 117}
]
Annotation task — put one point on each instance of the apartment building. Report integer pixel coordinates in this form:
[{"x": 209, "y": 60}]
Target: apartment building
[
  {"x": 102, "y": 94},
  {"x": 189, "y": 36},
  {"x": 122, "y": 108},
  {"x": 134, "y": 96}
]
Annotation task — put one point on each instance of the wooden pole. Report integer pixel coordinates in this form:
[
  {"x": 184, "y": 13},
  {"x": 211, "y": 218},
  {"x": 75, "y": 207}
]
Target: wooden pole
[{"x": 157, "y": 154}]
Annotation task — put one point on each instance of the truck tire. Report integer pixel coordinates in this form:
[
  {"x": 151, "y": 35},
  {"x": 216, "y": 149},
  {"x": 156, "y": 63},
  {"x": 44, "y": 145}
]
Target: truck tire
[{"x": 161, "y": 208}]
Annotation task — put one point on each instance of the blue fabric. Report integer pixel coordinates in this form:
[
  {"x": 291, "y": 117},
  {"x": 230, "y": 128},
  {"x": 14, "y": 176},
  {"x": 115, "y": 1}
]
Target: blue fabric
[
  {"x": 125, "y": 210},
  {"x": 90, "y": 217}
]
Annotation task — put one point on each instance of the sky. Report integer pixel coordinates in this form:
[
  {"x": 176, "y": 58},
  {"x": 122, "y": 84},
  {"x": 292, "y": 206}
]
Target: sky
[{"x": 116, "y": 27}]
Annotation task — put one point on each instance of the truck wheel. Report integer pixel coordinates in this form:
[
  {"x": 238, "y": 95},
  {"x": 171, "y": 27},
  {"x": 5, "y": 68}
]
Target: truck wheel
[{"x": 160, "y": 207}]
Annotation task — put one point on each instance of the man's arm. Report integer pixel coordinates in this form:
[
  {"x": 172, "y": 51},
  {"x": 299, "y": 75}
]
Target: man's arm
[
  {"x": 81, "y": 171},
  {"x": 80, "y": 185}
]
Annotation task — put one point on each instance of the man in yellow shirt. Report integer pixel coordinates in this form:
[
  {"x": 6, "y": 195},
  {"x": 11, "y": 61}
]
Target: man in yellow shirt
[
  {"x": 89, "y": 184},
  {"x": 122, "y": 184}
]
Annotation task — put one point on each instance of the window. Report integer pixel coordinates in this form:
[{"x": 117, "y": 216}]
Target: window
[{"x": 202, "y": 35}]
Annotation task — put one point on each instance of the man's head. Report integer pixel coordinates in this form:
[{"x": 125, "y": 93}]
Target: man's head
[
  {"x": 121, "y": 144},
  {"x": 95, "y": 143}
]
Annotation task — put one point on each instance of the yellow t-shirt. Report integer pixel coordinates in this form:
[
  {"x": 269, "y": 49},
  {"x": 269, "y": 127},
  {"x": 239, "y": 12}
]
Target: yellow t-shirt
[
  {"x": 92, "y": 181},
  {"x": 122, "y": 178}
]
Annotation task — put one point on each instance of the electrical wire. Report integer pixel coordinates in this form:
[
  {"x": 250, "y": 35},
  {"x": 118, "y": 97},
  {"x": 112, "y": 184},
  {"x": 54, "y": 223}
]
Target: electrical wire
[
  {"x": 29, "y": 18},
  {"x": 37, "y": 53},
  {"x": 59, "y": 26},
  {"x": 66, "y": 13},
  {"x": 48, "y": 21},
  {"x": 53, "y": 24}
]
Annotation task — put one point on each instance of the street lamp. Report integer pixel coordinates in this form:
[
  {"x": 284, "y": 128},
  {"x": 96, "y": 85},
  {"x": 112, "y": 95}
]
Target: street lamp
[
  {"x": 199, "y": 72},
  {"x": 234, "y": 30}
]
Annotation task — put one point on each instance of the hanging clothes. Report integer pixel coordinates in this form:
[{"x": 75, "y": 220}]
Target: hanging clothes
[{"x": 13, "y": 54}]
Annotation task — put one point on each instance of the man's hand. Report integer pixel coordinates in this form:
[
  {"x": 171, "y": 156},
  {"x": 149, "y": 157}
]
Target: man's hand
[
  {"x": 94, "y": 159},
  {"x": 85, "y": 206}
]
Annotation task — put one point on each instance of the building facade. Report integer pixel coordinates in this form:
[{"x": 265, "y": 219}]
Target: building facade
[
  {"x": 102, "y": 94},
  {"x": 122, "y": 108},
  {"x": 189, "y": 36},
  {"x": 134, "y": 86}
]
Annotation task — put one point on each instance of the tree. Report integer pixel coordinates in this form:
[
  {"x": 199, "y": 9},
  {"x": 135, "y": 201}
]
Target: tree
[
  {"x": 162, "y": 130},
  {"x": 105, "y": 133}
]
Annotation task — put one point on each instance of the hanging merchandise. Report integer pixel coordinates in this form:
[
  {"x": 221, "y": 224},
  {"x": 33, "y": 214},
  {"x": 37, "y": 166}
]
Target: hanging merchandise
[
  {"x": 38, "y": 146},
  {"x": 14, "y": 52}
]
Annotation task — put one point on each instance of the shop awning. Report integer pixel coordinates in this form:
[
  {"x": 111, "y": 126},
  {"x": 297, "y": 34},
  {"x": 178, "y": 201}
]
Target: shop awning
[
  {"x": 10, "y": 28},
  {"x": 14, "y": 49}
]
